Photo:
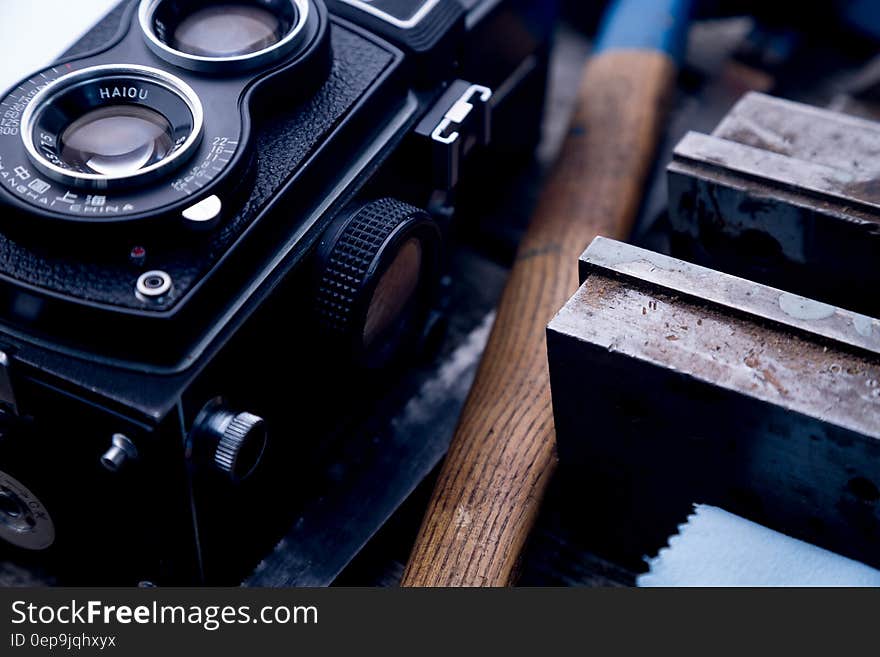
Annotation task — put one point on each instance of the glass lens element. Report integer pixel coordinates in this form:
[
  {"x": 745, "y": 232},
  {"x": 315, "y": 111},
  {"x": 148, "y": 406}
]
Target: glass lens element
[
  {"x": 117, "y": 140},
  {"x": 227, "y": 30},
  {"x": 394, "y": 291}
]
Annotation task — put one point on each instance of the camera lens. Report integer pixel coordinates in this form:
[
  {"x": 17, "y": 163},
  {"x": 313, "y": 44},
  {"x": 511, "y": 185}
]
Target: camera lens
[
  {"x": 377, "y": 268},
  {"x": 109, "y": 126},
  {"x": 223, "y": 36},
  {"x": 394, "y": 291},
  {"x": 227, "y": 31},
  {"x": 116, "y": 141}
]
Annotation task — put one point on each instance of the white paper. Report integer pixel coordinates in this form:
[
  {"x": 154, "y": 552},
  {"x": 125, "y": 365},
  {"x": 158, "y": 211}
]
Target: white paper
[
  {"x": 717, "y": 548},
  {"x": 35, "y": 32}
]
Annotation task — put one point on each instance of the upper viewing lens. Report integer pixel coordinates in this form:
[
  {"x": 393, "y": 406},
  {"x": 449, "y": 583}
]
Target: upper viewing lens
[
  {"x": 116, "y": 140},
  {"x": 227, "y": 30},
  {"x": 223, "y": 35}
]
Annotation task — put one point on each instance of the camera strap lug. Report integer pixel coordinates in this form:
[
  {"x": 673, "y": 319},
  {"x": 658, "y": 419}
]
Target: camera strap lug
[
  {"x": 461, "y": 120},
  {"x": 8, "y": 403}
]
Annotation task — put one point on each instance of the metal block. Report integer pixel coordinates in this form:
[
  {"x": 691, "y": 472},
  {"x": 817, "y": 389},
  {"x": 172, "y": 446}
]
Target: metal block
[
  {"x": 785, "y": 194},
  {"x": 675, "y": 384}
]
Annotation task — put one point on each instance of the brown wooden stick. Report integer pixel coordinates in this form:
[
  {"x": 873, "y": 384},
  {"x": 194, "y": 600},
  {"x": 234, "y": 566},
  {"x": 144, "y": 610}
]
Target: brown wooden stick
[{"x": 503, "y": 453}]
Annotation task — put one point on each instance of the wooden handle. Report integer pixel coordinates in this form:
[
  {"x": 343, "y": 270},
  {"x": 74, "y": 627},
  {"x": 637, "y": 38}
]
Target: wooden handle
[{"x": 503, "y": 453}]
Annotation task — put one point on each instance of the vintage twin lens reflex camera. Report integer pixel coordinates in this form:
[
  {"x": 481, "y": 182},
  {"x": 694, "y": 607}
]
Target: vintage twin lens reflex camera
[{"x": 221, "y": 224}]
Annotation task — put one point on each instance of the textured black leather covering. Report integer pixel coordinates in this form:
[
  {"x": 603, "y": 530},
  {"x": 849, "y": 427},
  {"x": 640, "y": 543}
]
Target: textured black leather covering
[{"x": 105, "y": 276}]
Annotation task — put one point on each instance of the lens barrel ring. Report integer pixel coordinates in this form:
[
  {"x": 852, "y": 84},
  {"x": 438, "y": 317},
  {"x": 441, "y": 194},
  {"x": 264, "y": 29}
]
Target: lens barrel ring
[
  {"x": 358, "y": 251},
  {"x": 294, "y": 38},
  {"x": 42, "y": 151}
]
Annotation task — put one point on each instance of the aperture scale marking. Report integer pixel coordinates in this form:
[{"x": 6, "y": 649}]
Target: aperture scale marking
[{"x": 21, "y": 180}]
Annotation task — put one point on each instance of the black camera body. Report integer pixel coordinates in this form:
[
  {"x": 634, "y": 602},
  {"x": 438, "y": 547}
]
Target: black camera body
[{"x": 209, "y": 256}]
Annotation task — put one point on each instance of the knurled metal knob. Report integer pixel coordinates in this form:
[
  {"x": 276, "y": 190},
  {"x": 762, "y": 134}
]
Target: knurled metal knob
[
  {"x": 377, "y": 264},
  {"x": 242, "y": 430},
  {"x": 233, "y": 442}
]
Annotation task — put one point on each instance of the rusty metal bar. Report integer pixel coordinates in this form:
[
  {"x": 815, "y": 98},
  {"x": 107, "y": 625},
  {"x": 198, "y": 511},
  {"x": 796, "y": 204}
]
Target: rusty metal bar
[
  {"x": 675, "y": 384},
  {"x": 786, "y": 194}
]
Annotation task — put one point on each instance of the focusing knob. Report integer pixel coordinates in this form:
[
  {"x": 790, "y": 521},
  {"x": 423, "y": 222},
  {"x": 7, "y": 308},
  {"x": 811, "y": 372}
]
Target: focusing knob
[
  {"x": 232, "y": 442},
  {"x": 242, "y": 428},
  {"x": 377, "y": 269}
]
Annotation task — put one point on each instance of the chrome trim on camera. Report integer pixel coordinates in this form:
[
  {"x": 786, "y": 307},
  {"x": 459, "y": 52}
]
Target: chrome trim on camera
[
  {"x": 7, "y": 392},
  {"x": 32, "y": 528},
  {"x": 235, "y": 63},
  {"x": 447, "y": 131},
  {"x": 146, "y": 292},
  {"x": 90, "y": 74},
  {"x": 467, "y": 123},
  {"x": 411, "y": 22},
  {"x": 121, "y": 450}
]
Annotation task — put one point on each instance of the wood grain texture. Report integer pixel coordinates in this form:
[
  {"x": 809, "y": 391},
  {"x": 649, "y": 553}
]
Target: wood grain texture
[{"x": 503, "y": 453}]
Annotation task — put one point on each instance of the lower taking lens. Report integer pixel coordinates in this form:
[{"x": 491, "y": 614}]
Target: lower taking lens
[
  {"x": 112, "y": 126},
  {"x": 116, "y": 140}
]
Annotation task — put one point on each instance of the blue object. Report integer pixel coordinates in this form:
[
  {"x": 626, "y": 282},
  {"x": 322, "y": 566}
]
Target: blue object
[
  {"x": 717, "y": 548},
  {"x": 863, "y": 15},
  {"x": 646, "y": 25}
]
